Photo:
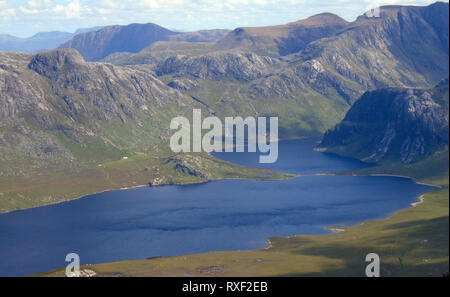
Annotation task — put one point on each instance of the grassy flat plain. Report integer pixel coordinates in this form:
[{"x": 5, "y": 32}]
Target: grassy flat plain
[{"x": 412, "y": 242}]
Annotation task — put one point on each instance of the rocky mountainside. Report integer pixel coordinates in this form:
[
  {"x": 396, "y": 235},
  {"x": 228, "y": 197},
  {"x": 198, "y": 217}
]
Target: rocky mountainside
[
  {"x": 240, "y": 66},
  {"x": 55, "y": 108},
  {"x": 398, "y": 124},
  {"x": 97, "y": 45},
  {"x": 61, "y": 113},
  {"x": 159, "y": 51},
  {"x": 94, "y": 46},
  {"x": 69, "y": 128},
  {"x": 284, "y": 39},
  {"x": 407, "y": 47},
  {"x": 312, "y": 89}
]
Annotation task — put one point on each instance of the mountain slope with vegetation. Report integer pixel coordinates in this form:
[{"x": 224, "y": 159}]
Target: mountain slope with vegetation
[
  {"x": 97, "y": 45},
  {"x": 282, "y": 40},
  {"x": 61, "y": 114},
  {"x": 69, "y": 127},
  {"x": 394, "y": 124},
  {"x": 311, "y": 90}
]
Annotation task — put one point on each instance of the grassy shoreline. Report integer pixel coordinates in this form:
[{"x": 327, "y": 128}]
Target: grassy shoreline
[
  {"x": 61, "y": 184},
  {"x": 411, "y": 242},
  {"x": 140, "y": 170}
]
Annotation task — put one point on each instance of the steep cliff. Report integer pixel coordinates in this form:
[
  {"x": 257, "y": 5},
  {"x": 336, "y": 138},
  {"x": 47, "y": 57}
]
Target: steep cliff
[{"x": 394, "y": 124}]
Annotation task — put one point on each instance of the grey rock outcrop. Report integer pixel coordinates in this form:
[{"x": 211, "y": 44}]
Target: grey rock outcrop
[{"x": 402, "y": 124}]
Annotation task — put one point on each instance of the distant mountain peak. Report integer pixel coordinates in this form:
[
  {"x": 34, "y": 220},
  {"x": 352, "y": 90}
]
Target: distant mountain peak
[
  {"x": 52, "y": 34},
  {"x": 86, "y": 30},
  {"x": 322, "y": 19},
  {"x": 285, "y": 39},
  {"x": 38, "y": 42}
]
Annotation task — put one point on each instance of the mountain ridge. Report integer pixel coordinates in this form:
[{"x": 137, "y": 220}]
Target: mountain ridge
[
  {"x": 282, "y": 40},
  {"x": 322, "y": 81},
  {"x": 62, "y": 113},
  {"x": 132, "y": 38}
]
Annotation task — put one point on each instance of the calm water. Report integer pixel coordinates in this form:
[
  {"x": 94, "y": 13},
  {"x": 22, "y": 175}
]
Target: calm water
[{"x": 223, "y": 215}]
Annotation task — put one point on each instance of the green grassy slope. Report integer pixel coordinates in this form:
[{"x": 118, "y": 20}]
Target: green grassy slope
[
  {"x": 66, "y": 126},
  {"x": 58, "y": 185}
]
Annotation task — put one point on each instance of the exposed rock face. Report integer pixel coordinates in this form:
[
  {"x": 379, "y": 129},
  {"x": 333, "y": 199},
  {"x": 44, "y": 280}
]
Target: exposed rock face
[
  {"x": 51, "y": 64},
  {"x": 159, "y": 51},
  {"x": 312, "y": 89},
  {"x": 405, "y": 47},
  {"x": 186, "y": 165},
  {"x": 118, "y": 91},
  {"x": 96, "y": 45},
  {"x": 182, "y": 84},
  {"x": 405, "y": 124},
  {"x": 309, "y": 90},
  {"x": 241, "y": 66},
  {"x": 56, "y": 107}
]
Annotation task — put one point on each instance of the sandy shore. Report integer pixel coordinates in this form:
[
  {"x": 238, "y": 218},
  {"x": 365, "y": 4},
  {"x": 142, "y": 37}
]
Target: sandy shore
[{"x": 421, "y": 199}]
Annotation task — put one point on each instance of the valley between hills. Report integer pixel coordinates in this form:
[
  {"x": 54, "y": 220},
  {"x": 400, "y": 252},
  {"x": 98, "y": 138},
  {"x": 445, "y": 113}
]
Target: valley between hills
[{"x": 93, "y": 115}]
